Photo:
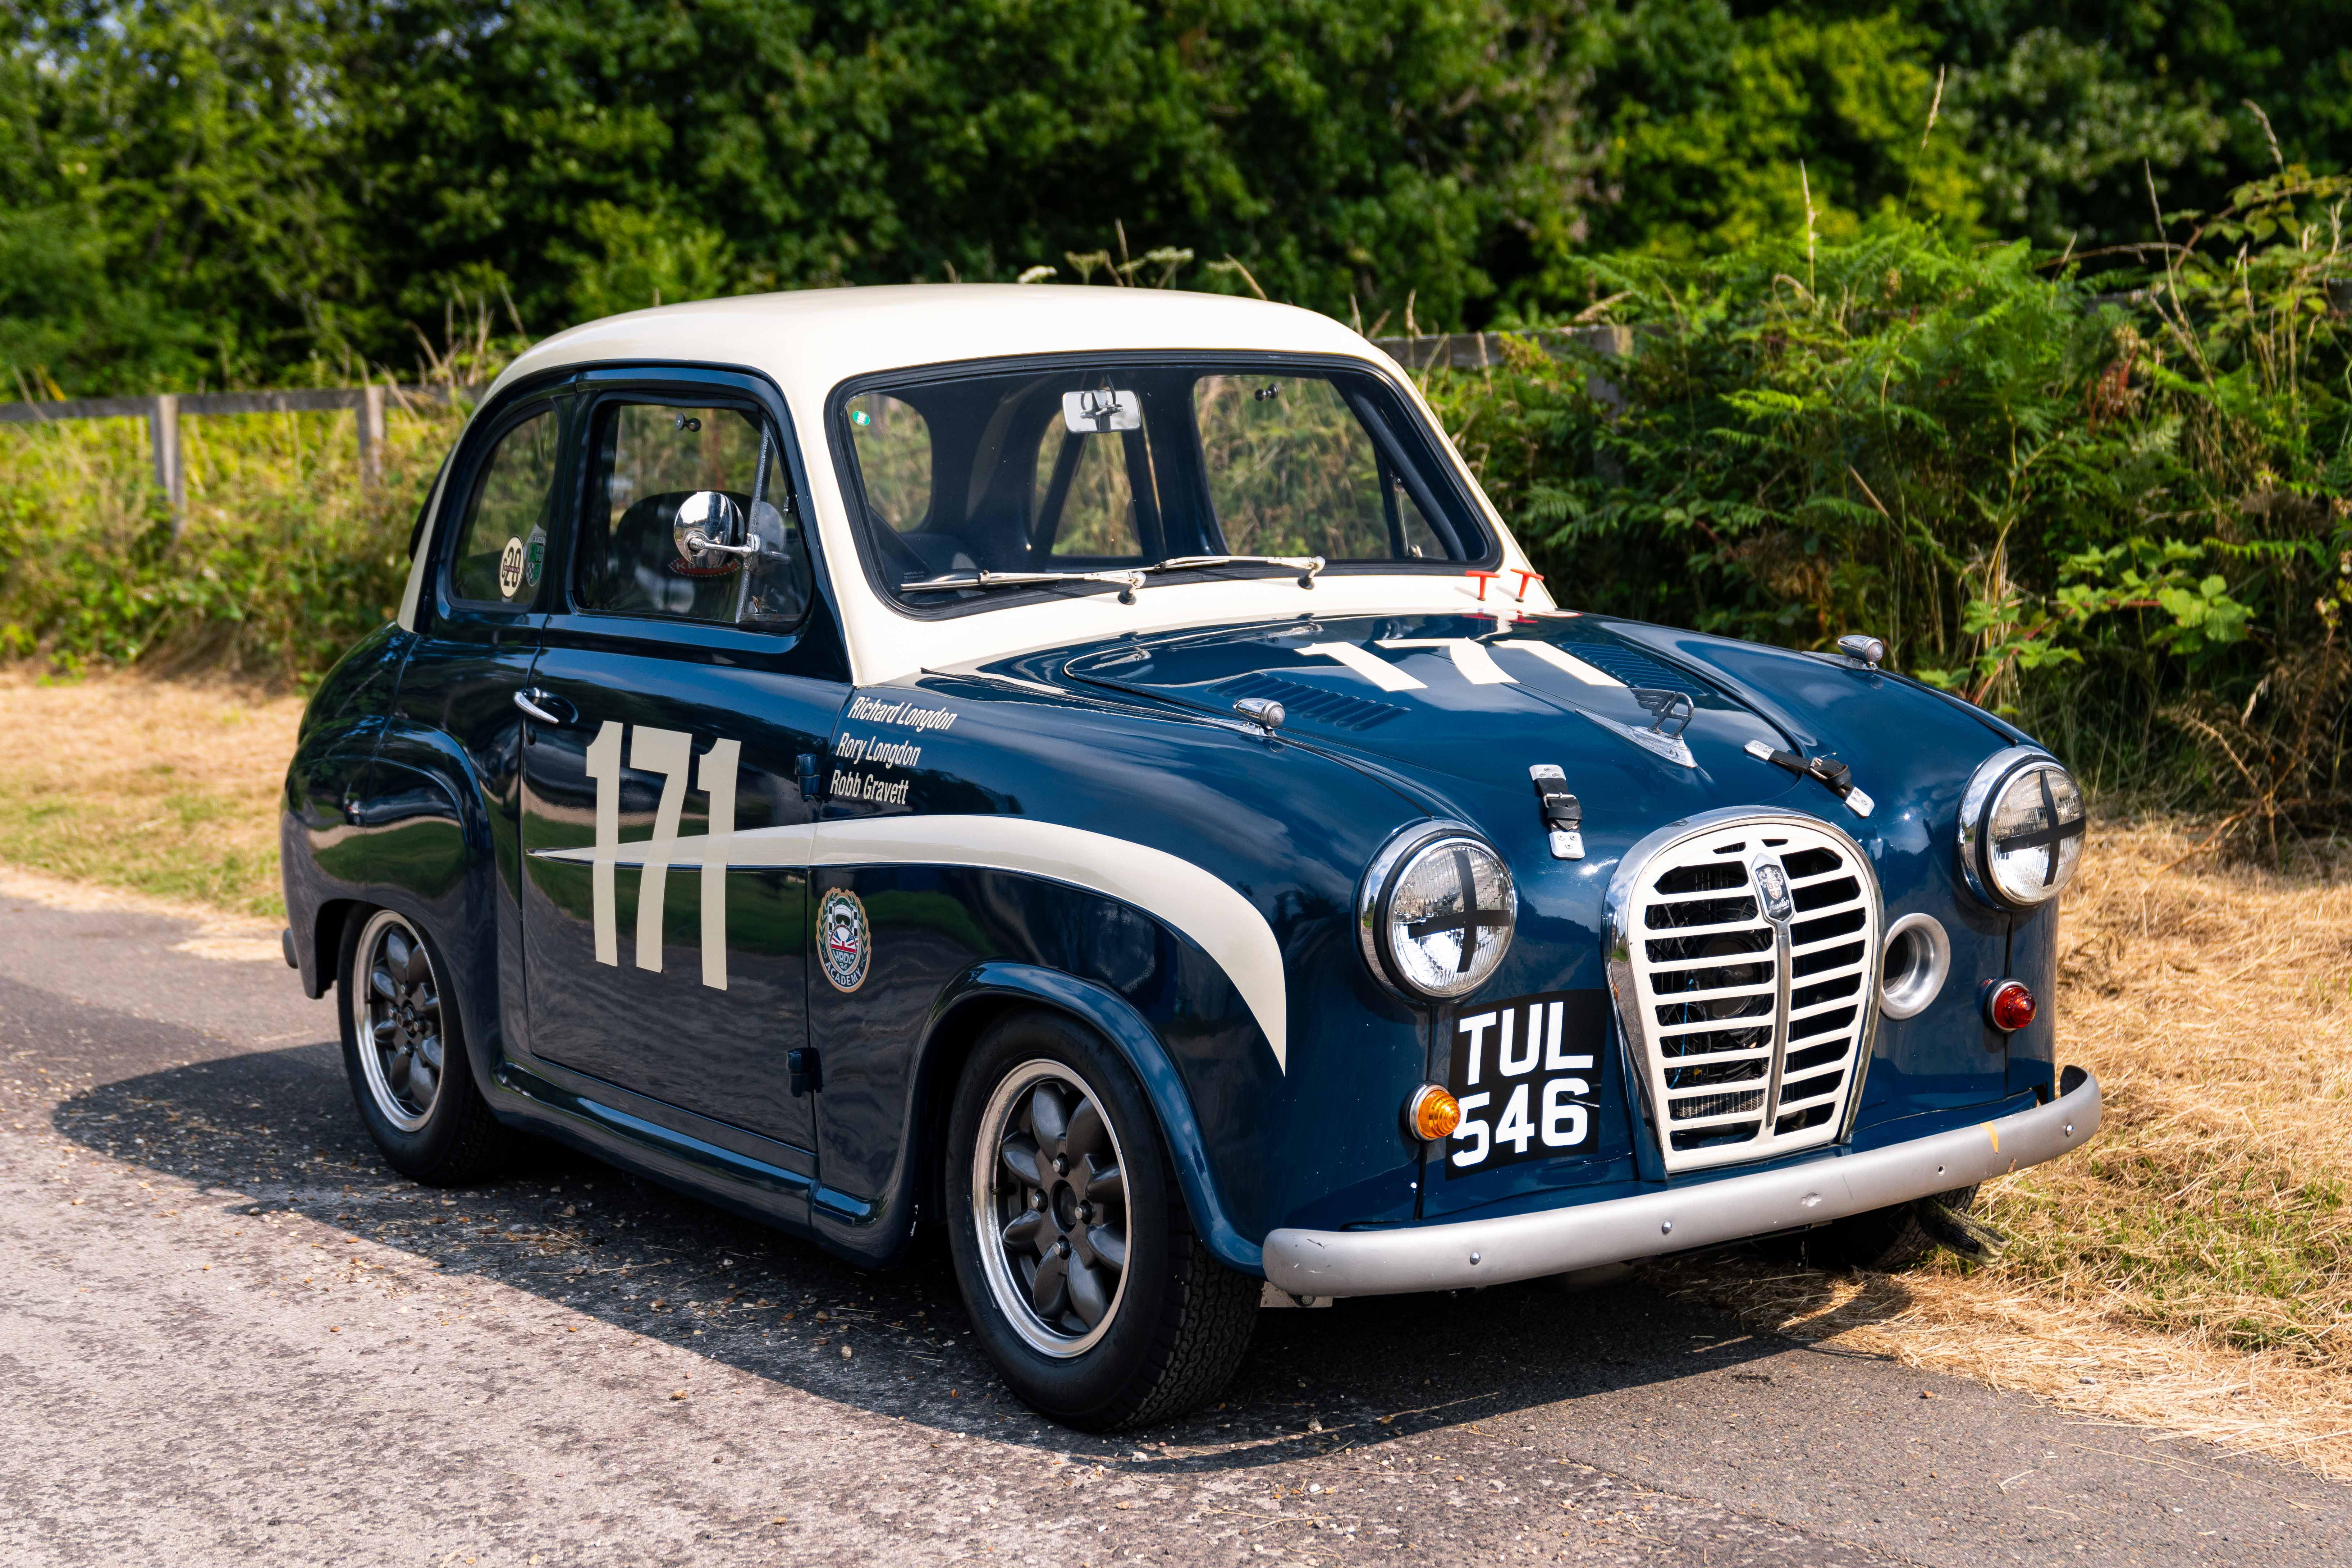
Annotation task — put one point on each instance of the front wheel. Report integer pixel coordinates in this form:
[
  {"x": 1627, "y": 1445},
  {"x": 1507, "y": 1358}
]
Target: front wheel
[
  {"x": 405, "y": 1052},
  {"x": 1884, "y": 1240},
  {"x": 1087, "y": 1287}
]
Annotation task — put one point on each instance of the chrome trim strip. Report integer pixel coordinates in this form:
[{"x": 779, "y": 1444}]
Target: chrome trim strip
[
  {"x": 1781, "y": 1022},
  {"x": 1865, "y": 1047},
  {"x": 1707, "y": 1212}
]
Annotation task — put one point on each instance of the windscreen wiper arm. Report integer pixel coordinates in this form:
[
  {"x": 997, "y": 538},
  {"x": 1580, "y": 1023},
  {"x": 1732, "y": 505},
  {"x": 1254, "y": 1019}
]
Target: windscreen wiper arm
[
  {"x": 1127, "y": 582},
  {"x": 1307, "y": 566}
]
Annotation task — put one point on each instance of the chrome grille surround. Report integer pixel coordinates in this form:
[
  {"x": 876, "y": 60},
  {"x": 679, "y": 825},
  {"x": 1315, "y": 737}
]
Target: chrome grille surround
[{"x": 1744, "y": 949}]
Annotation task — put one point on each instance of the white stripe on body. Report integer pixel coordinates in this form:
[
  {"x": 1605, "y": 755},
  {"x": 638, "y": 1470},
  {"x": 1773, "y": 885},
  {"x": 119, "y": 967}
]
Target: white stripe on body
[{"x": 1227, "y": 926}]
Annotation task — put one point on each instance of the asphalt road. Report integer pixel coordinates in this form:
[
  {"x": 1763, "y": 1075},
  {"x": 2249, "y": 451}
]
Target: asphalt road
[{"x": 227, "y": 1334}]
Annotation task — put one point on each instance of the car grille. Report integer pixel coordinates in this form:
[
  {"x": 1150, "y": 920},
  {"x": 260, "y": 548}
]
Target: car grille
[{"x": 1742, "y": 955}]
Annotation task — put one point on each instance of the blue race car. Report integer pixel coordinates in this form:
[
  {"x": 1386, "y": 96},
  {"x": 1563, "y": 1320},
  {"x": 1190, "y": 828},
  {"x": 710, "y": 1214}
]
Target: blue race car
[{"x": 1087, "y": 770}]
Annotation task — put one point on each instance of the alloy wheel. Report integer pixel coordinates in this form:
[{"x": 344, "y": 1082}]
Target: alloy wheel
[
  {"x": 397, "y": 1009},
  {"x": 1049, "y": 1201}
]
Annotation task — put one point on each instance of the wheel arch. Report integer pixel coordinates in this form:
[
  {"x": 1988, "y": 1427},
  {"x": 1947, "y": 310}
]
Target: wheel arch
[
  {"x": 413, "y": 837},
  {"x": 989, "y": 991},
  {"x": 327, "y": 944}
]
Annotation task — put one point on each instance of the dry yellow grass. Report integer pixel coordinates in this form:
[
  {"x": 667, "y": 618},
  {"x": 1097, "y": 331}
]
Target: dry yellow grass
[
  {"x": 2193, "y": 1268},
  {"x": 167, "y": 788}
]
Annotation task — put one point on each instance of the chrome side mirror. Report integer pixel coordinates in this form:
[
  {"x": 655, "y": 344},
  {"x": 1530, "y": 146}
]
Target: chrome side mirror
[
  {"x": 1862, "y": 648},
  {"x": 707, "y": 523}
]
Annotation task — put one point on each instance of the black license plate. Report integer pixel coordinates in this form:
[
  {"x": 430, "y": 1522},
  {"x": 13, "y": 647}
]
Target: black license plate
[{"x": 1530, "y": 1073}]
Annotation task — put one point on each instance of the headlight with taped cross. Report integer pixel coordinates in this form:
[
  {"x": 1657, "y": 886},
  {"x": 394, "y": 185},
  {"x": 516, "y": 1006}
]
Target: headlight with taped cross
[
  {"x": 1436, "y": 912},
  {"x": 2023, "y": 825}
]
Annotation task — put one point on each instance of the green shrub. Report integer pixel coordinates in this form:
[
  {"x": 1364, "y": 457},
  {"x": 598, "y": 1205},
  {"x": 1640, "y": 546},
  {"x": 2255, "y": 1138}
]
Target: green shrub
[
  {"x": 284, "y": 560},
  {"x": 2111, "y": 504}
]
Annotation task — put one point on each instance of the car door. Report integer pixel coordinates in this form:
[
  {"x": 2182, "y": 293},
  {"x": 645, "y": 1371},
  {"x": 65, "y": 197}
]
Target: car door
[
  {"x": 686, "y": 692},
  {"x": 444, "y": 782}
]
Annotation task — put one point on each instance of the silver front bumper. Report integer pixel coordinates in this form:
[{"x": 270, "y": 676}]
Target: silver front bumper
[{"x": 1444, "y": 1256}]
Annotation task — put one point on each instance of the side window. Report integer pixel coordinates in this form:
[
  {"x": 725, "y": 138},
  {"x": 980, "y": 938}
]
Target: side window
[
  {"x": 502, "y": 542},
  {"x": 689, "y": 514},
  {"x": 1292, "y": 471}
]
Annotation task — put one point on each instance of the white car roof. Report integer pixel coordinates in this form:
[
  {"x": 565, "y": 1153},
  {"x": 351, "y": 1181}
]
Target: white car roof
[{"x": 810, "y": 341}]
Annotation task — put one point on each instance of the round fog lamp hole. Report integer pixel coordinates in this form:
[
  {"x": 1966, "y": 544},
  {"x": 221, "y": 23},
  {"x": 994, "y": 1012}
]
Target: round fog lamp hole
[{"x": 1918, "y": 960}]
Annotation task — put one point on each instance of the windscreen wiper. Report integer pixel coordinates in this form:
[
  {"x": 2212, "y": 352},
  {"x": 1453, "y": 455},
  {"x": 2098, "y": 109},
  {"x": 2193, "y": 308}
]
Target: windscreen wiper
[
  {"x": 1127, "y": 582},
  {"x": 1307, "y": 566}
]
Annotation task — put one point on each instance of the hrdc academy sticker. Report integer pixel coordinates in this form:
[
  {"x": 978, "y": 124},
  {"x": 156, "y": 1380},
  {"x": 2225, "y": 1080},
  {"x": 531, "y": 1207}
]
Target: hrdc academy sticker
[{"x": 844, "y": 943}]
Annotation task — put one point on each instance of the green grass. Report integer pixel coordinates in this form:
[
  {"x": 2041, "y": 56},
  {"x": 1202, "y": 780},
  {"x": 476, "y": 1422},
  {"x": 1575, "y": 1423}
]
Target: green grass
[{"x": 176, "y": 848}]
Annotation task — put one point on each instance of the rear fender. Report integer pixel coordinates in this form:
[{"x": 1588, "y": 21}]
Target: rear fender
[
  {"x": 325, "y": 781},
  {"x": 420, "y": 842}
]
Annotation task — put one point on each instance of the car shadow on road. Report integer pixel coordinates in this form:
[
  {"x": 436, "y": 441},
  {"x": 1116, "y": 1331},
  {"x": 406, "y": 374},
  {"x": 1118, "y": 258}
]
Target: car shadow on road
[{"x": 278, "y": 1129}]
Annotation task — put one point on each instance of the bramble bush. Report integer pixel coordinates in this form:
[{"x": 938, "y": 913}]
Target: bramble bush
[
  {"x": 284, "y": 560},
  {"x": 2112, "y": 504},
  {"x": 284, "y": 557}
]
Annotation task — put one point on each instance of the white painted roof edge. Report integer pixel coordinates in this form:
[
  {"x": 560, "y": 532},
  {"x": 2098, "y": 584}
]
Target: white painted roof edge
[{"x": 809, "y": 342}]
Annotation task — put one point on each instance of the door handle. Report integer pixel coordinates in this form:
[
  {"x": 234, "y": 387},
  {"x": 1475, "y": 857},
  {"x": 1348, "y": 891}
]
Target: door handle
[{"x": 544, "y": 707}]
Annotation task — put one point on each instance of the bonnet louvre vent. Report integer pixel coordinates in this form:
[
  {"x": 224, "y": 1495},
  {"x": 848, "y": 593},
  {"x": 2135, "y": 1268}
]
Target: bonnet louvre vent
[
  {"x": 1636, "y": 668},
  {"x": 1313, "y": 703},
  {"x": 1744, "y": 965}
]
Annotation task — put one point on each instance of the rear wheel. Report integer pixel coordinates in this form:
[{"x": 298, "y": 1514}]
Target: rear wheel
[
  {"x": 405, "y": 1052},
  {"x": 1077, "y": 1260}
]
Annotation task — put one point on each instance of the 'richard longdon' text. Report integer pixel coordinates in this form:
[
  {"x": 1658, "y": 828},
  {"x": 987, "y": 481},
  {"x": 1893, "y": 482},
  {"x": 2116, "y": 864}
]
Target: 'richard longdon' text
[{"x": 878, "y": 752}]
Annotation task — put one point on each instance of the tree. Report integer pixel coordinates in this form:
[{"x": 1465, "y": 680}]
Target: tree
[
  {"x": 168, "y": 213},
  {"x": 588, "y": 154}
]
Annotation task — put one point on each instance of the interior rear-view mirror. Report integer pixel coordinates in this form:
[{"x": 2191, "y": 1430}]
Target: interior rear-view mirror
[{"x": 1098, "y": 410}]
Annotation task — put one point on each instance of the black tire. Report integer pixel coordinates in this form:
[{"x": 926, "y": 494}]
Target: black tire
[
  {"x": 1883, "y": 1241},
  {"x": 1176, "y": 1322},
  {"x": 454, "y": 1139}
]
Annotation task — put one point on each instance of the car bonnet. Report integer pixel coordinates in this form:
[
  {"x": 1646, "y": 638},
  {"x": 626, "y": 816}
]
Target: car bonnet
[{"x": 1470, "y": 703}]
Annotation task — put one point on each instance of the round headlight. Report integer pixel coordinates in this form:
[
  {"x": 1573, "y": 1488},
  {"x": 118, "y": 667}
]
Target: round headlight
[
  {"x": 2021, "y": 828},
  {"x": 1436, "y": 911}
]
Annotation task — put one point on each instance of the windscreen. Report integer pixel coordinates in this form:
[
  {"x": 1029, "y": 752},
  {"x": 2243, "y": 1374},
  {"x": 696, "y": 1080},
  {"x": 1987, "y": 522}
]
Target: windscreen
[{"x": 1099, "y": 467}]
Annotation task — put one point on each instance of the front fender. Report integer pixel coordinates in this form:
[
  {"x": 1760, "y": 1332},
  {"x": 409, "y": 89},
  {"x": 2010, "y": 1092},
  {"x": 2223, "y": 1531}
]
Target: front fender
[{"x": 986, "y": 985}]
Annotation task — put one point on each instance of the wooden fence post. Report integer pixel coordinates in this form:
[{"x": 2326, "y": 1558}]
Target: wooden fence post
[
  {"x": 369, "y": 414},
  {"x": 171, "y": 475}
]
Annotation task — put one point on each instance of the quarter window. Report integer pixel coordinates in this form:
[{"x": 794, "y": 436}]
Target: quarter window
[
  {"x": 894, "y": 457},
  {"x": 503, "y": 542},
  {"x": 690, "y": 517}
]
